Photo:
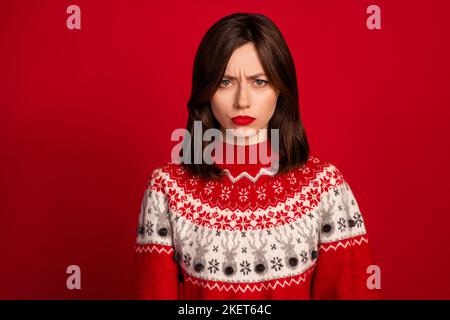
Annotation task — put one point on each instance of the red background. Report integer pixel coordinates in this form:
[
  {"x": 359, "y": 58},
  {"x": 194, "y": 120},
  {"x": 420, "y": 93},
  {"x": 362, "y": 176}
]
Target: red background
[{"x": 87, "y": 114}]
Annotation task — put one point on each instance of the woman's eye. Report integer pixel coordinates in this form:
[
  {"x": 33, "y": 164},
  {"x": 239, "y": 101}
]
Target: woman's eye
[
  {"x": 225, "y": 82},
  {"x": 260, "y": 82}
]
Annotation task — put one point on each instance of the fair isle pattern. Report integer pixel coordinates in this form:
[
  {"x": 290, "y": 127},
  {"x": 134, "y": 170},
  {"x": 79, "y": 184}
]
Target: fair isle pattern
[
  {"x": 280, "y": 252},
  {"x": 262, "y": 171},
  {"x": 236, "y": 236},
  {"x": 184, "y": 205},
  {"x": 242, "y": 195},
  {"x": 303, "y": 202},
  {"x": 249, "y": 246},
  {"x": 147, "y": 248},
  {"x": 344, "y": 244},
  {"x": 243, "y": 287}
]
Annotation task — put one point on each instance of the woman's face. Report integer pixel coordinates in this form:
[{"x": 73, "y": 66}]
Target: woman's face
[{"x": 244, "y": 91}]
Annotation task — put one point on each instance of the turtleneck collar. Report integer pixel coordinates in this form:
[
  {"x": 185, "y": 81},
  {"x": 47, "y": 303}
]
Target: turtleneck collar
[{"x": 251, "y": 158}]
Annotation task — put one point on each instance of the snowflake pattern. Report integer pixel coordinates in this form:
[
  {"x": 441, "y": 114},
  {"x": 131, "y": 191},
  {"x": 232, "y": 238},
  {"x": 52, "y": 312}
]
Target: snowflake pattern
[
  {"x": 261, "y": 193},
  {"x": 341, "y": 225},
  {"x": 358, "y": 219},
  {"x": 213, "y": 266},
  {"x": 278, "y": 188},
  {"x": 245, "y": 267},
  {"x": 276, "y": 263},
  {"x": 149, "y": 228},
  {"x": 187, "y": 259},
  {"x": 209, "y": 188},
  {"x": 304, "y": 256},
  {"x": 243, "y": 195},
  {"x": 291, "y": 178},
  {"x": 193, "y": 180},
  {"x": 225, "y": 195}
]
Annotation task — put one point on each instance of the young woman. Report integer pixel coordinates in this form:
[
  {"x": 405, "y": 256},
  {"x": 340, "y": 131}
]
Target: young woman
[{"x": 289, "y": 228}]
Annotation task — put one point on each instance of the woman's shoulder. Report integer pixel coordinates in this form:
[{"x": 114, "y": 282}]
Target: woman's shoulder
[
  {"x": 323, "y": 171},
  {"x": 166, "y": 172},
  {"x": 166, "y": 167}
]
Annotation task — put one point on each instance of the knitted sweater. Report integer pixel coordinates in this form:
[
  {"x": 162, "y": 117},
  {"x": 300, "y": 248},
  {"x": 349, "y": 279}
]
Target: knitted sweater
[{"x": 251, "y": 235}]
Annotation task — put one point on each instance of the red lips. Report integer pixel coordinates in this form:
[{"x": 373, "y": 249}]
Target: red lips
[{"x": 242, "y": 120}]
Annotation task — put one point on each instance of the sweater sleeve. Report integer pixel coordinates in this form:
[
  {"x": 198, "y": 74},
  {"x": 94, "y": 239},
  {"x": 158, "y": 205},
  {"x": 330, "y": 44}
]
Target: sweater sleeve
[
  {"x": 344, "y": 253},
  {"x": 155, "y": 272}
]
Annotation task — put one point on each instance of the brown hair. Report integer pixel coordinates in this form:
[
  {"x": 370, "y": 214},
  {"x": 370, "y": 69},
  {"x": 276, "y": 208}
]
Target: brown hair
[{"x": 214, "y": 51}]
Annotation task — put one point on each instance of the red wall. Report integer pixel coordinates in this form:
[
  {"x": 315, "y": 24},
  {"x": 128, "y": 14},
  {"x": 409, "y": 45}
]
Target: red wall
[{"x": 87, "y": 114}]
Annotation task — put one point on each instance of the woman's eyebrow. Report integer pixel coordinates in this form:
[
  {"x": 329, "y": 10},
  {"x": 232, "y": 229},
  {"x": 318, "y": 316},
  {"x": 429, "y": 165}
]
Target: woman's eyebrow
[{"x": 249, "y": 77}]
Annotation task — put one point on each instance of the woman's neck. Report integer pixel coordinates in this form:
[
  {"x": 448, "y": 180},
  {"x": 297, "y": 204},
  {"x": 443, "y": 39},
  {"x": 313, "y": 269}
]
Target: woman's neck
[
  {"x": 255, "y": 155},
  {"x": 230, "y": 138}
]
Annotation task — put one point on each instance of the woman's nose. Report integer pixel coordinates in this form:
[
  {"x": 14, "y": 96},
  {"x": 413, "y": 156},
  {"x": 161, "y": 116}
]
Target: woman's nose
[{"x": 243, "y": 97}]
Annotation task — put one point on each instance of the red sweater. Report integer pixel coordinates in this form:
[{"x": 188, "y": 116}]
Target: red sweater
[{"x": 251, "y": 235}]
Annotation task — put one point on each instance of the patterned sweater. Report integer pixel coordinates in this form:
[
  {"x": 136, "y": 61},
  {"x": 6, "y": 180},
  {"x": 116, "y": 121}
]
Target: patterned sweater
[{"x": 251, "y": 235}]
